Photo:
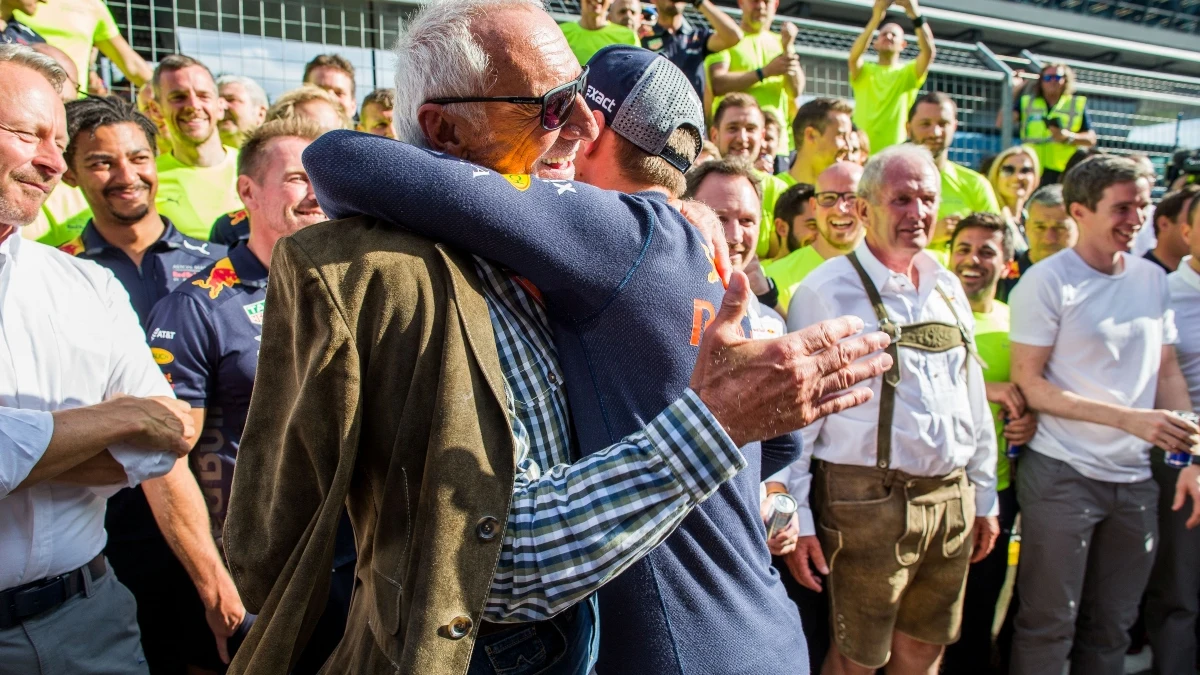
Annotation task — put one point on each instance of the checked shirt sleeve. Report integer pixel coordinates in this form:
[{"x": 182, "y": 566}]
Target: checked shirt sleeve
[{"x": 577, "y": 526}]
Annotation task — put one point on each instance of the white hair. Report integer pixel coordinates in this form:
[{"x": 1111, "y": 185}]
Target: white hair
[
  {"x": 438, "y": 57},
  {"x": 870, "y": 185},
  {"x": 22, "y": 55},
  {"x": 253, "y": 89}
]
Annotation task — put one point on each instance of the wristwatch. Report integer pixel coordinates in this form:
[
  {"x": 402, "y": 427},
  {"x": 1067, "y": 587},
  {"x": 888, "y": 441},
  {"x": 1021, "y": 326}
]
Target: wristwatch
[
  {"x": 918, "y": 21},
  {"x": 761, "y": 75},
  {"x": 771, "y": 297}
]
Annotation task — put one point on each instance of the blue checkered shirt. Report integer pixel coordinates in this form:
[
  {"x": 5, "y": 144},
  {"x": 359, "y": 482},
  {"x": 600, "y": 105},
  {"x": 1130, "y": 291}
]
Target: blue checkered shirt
[{"x": 574, "y": 525}]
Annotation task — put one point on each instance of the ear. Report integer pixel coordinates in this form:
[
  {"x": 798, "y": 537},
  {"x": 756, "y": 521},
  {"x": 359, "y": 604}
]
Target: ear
[
  {"x": 245, "y": 190},
  {"x": 441, "y": 130},
  {"x": 861, "y": 209},
  {"x": 782, "y": 228},
  {"x": 811, "y": 134},
  {"x": 712, "y": 133},
  {"x": 68, "y": 177},
  {"x": 1077, "y": 212}
]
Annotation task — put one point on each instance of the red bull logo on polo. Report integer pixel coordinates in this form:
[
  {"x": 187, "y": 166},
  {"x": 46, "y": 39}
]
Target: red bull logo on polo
[{"x": 221, "y": 277}]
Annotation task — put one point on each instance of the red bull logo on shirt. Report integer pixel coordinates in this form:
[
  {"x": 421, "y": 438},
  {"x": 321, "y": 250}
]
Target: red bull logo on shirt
[
  {"x": 73, "y": 247},
  {"x": 221, "y": 277}
]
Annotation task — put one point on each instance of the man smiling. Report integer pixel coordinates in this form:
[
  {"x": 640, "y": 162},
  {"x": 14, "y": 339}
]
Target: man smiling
[{"x": 197, "y": 180}]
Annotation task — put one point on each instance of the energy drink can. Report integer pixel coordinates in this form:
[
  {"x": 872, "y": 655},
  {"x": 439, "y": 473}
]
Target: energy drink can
[
  {"x": 783, "y": 507},
  {"x": 1013, "y": 450},
  {"x": 1182, "y": 459}
]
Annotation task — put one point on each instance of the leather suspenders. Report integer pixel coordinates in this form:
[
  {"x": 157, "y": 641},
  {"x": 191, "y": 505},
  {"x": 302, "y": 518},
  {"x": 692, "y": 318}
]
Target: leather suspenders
[{"x": 930, "y": 336}]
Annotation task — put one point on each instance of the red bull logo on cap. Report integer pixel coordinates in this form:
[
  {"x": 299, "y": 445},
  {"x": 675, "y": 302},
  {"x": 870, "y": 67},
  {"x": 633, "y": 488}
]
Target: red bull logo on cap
[{"x": 222, "y": 276}]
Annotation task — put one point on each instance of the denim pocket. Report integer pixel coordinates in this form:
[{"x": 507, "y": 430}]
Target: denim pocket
[{"x": 521, "y": 653}]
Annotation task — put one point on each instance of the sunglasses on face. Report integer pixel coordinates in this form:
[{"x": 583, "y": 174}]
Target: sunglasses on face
[
  {"x": 556, "y": 103},
  {"x": 829, "y": 199},
  {"x": 1052, "y": 78},
  {"x": 1010, "y": 170}
]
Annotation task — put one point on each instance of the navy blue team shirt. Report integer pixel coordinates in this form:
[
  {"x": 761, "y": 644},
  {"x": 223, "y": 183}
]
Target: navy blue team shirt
[
  {"x": 686, "y": 48},
  {"x": 170, "y": 261},
  {"x": 167, "y": 263},
  {"x": 231, "y": 229},
  {"x": 628, "y": 285},
  {"x": 205, "y": 337}
]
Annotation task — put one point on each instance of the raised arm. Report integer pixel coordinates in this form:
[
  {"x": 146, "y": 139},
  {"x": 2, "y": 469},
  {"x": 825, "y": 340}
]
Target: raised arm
[
  {"x": 565, "y": 236},
  {"x": 858, "y": 50},
  {"x": 924, "y": 39},
  {"x": 726, "y": 31},
  {"x": 123, "y": 56}
]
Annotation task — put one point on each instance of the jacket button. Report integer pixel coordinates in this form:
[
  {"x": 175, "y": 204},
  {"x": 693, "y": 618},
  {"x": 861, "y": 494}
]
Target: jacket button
[
  {"x": 488, "y": 528},
  {"x": 460, "y": 626}
]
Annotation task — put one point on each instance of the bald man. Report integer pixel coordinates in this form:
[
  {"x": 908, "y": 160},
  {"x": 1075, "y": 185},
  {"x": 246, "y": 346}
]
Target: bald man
[{"x": 70, "y": 86}]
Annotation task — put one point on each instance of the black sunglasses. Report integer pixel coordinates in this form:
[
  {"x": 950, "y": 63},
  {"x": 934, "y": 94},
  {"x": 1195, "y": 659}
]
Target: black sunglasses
[
  {"x": 1010, "y": 170},
  {"x": 556, "y": 104},
  {"x": 827, "y": 199}
]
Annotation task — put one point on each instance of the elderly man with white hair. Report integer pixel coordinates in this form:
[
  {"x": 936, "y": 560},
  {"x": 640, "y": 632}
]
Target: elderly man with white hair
[
  {"x": 245, "y": 108},
  {"x": 903, "y": 488},
  {"x": 425, "y": 392}
]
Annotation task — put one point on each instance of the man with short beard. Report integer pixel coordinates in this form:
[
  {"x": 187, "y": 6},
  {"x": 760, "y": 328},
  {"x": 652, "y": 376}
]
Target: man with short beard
[
  {"x": 932, "y": 122},
  {"x": 245, "y": 108},
  {"x": 197, "y": 180},
  {"x": 980, "y": 253},
  {"x": 737, "y": 129},
  {"x": 110, "y": 157},
  {"x": 1049, "y": 229},
  {"x": 839, "y": 230}
]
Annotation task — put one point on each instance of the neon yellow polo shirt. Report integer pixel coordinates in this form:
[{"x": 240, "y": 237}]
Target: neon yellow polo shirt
[
  {"x": 991, "y": 339},
  {"x": 585, "y": 43},
  {"x": 883, "y": 96},
  {"x": 965, "y": 192},
  {"x": 772, "y": 188},
  {"x": 74, "y": 26},
  {"x": 790, "y": 270},
  {"x": 752, "y": 52},
  {"x": 194, "y": 197},
  {"x": 63, "y": 216}
]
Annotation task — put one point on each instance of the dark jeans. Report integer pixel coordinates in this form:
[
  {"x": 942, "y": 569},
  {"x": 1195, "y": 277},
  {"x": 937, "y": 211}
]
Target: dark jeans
[
  {"x": 973, "y": 654},
  {"x": 564, "y": 645},
  {"x": 1171, "y": 596}
]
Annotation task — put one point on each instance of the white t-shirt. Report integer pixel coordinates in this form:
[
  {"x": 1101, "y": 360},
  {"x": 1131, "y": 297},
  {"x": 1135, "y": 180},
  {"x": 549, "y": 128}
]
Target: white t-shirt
[
  {"x": 1107, "y": 332},
  {"x": 1184, "y": 284}
]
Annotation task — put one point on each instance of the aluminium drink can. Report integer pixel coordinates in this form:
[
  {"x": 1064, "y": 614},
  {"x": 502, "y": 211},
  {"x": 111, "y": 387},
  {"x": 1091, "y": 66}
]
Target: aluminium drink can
[
  {"x": 1182, "y": 459},
  {"x": 783, "y": 507}
]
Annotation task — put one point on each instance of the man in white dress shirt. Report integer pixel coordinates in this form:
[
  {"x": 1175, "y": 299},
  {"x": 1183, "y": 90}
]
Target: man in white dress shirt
[
  {"x": 1173, "y": 596},
  {"x": 72, "y": 360},
  {"x": 1093, "y": 351},
  {"x": 903, "y": 487}
]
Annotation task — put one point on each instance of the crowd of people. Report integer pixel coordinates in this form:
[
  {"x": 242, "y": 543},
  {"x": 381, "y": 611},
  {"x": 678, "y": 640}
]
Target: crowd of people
[{"x": 592, "y": 347}]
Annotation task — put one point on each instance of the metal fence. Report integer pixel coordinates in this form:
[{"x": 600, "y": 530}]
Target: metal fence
[{"x": 271, "y": 40}]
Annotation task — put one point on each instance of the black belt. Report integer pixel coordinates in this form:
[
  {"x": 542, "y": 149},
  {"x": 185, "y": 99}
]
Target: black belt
[{"x": 35, "y": 597}]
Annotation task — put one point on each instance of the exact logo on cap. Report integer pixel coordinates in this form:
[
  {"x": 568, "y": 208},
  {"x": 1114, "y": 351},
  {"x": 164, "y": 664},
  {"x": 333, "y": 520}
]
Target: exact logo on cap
[{"x": 597, "y": 96}]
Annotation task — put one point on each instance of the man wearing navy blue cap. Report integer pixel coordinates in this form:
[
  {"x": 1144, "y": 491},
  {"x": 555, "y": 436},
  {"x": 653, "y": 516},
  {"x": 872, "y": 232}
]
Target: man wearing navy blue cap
[{"x": 630, "y": 260}]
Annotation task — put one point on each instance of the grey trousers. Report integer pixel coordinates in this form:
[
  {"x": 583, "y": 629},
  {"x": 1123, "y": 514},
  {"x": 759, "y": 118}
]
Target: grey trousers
[
  {"x": 1087, "y": 548},
  {"x": 94, "y": 633},
  {"x": 1172, "y": 596}
]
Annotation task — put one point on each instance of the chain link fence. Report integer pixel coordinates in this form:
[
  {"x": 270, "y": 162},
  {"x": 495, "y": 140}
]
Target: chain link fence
[{"x": 271, "y": 40}]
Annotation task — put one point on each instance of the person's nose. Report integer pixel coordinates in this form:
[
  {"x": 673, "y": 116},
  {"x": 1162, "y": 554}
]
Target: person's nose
[
  {"x": 581, "y": 125},
  {"x": 49, "y": 158}
]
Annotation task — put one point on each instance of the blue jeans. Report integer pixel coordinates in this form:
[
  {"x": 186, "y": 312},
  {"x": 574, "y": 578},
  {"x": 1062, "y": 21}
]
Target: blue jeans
[{"x": 565, "y": 645}]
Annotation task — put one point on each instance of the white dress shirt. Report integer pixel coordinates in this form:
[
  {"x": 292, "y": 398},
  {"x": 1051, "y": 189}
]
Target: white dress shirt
[
  {"x": 68, "y": 338},
  {"x": 1184, "y": 284},
  {"x": 1106, "y": 334},
  {"x": 942, "y": 421}
]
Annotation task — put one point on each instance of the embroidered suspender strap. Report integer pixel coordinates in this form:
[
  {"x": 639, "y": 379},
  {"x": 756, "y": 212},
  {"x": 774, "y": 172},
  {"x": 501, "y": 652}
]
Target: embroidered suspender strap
[{"x": 887, "y": 390}]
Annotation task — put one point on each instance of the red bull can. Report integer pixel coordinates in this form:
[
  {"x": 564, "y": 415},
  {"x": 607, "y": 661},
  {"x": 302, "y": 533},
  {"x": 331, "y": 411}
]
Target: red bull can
[
  {"x": 783, "y": 507},
  {"x": 1182, "y": 459}
]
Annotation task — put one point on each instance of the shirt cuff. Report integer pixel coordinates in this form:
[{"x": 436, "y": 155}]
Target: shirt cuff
[
  {"x": 808, "y": 528},
  {"x": 141, "y": 465},
  {"x": 986, "y": 503},
  {"x": 27, "y": 435},
  {"x": 695, "y": 445}
]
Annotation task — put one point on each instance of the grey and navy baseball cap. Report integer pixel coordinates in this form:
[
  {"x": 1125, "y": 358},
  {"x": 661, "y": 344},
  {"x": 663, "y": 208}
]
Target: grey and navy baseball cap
[{"x": 644, "y": 99}]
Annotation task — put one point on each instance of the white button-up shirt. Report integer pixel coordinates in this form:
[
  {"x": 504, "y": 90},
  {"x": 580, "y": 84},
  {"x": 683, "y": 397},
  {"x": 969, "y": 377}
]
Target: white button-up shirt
[
  {"x": 68, "y": 338},
  {"x": 941, "y": 422}
]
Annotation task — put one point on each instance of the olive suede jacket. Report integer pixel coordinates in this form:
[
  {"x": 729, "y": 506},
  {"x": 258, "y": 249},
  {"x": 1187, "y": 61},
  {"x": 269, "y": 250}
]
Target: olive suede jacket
[{"x": 378, "y": 389}]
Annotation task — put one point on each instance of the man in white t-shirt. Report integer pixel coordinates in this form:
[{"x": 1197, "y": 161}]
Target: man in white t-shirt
[
  {"x": 1093, "y": 350},
  {"x": 1173, "y": 596}
]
